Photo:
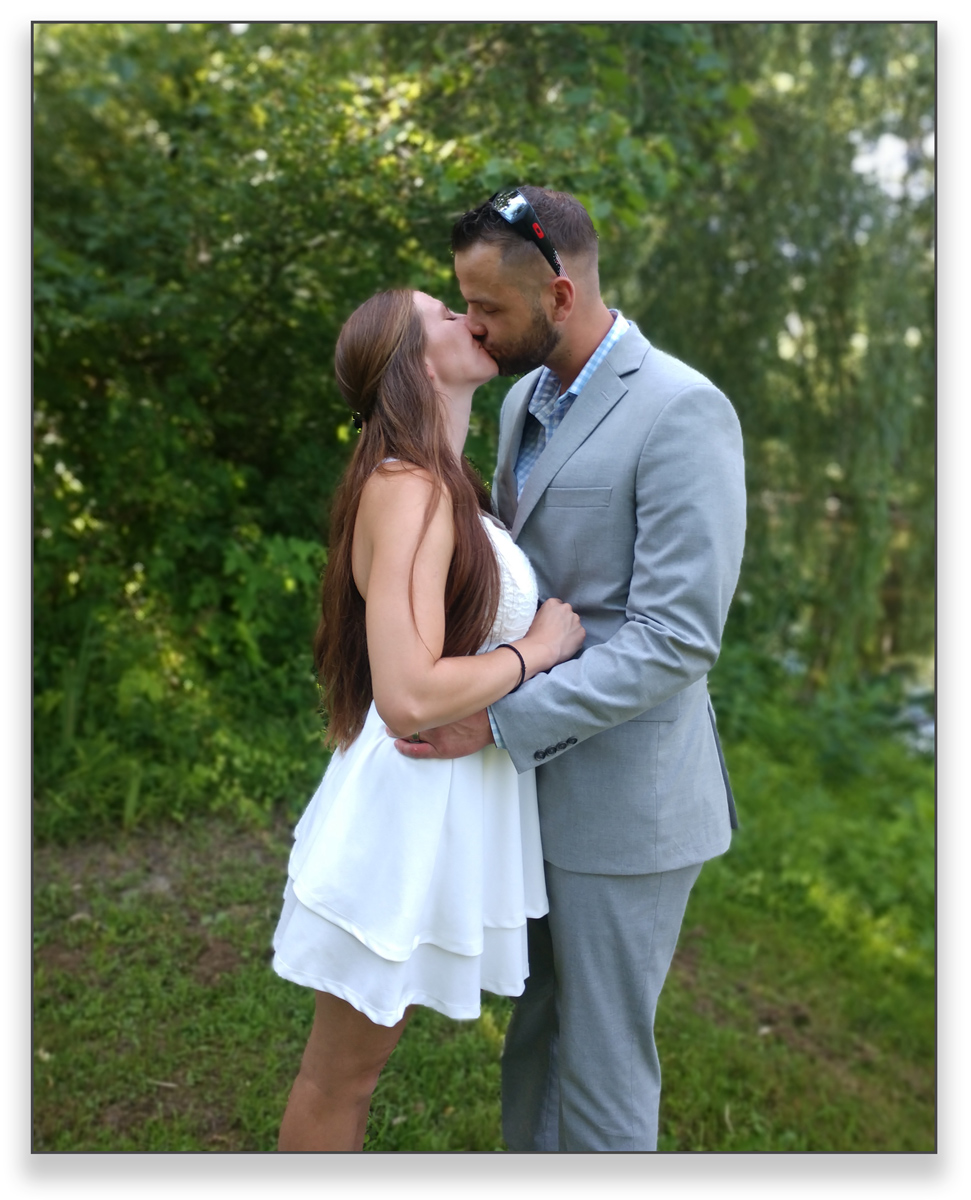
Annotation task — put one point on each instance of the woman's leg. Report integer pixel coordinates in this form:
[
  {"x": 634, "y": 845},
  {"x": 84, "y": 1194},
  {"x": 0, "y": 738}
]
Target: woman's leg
[{"x": 330, "y": 1098}]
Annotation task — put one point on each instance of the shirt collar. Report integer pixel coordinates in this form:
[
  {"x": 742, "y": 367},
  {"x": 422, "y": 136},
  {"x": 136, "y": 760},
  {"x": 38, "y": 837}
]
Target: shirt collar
[{"x": 546, "y": 392}]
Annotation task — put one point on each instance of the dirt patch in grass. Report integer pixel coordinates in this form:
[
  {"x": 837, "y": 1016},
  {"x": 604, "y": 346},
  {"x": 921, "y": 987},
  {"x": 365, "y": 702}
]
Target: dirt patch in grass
[
  {"x": 157, "y": 861},
  {"x": 217, "y": 958},
  {"x": 745, "y": 1005},
  {"x": 214, "y": 1129},
  {"x": 55, "y": 957}
]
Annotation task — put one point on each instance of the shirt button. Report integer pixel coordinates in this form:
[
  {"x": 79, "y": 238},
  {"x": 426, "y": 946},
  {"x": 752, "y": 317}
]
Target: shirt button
[
  {"x": 571, "y": 741},
  {"x": 550, "y": 750},
  {"x": 561, "y": 745},
  {"x": 539, "y": 755}
]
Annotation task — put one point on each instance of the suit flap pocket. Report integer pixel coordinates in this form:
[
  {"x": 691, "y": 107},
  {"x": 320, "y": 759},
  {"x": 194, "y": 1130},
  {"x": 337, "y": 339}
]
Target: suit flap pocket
[
  {"x": 667, "y": 710},
  {"x": 594, "y": 497}
]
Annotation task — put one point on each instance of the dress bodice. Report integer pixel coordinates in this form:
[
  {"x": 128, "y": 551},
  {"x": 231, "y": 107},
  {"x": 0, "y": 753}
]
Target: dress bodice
[{"x": 518, "y": 591}]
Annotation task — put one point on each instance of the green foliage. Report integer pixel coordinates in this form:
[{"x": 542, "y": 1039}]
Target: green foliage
[
  {"x": 836, "y": 812},
  {"x": 151, "y": 715},
  {"x": 210, "y": 207},
  {"x": 806, "y": 290},
  {"x": 858, "y": 855}
]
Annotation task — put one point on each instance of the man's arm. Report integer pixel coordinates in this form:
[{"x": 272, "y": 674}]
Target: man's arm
[
  {"x": 690, "y": 497},
  {"x": 450, "y": 741}
]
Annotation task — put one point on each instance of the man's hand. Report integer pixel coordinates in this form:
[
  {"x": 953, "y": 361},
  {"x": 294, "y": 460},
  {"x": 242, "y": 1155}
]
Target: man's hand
[{"x": 450, "y": 741}]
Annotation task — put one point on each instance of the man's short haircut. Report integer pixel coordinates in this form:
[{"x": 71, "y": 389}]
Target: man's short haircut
[{"x": 563, "y": 216}]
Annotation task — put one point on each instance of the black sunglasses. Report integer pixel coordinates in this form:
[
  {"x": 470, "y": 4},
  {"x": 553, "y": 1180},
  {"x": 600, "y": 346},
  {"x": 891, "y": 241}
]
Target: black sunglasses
[{"x": 517, "y": 211}]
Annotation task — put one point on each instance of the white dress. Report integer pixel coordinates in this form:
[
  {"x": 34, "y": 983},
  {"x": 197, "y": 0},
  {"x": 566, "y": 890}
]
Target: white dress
[{"x": 410, "y": 881}]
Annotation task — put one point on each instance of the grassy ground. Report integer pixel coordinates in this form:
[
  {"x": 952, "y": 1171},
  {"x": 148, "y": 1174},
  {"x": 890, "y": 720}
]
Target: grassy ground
[
  {"x": 160, "y": 1026},
  {"x": 799, "y": 1013}
]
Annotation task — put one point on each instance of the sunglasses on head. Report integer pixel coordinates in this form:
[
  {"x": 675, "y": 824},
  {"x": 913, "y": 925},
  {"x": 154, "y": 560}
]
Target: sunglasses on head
[{"x": 517, "y": 211}]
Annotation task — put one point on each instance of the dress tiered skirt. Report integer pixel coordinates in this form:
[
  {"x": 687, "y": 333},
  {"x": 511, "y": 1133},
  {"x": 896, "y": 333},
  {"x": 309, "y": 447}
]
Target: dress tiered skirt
[{"x": 410, "y": 881}]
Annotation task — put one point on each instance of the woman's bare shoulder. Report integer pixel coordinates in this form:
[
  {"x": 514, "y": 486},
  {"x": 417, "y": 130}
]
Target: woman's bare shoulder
[
  {"x": 399, "y": 472},
  {"x": 398, "y": 493}
]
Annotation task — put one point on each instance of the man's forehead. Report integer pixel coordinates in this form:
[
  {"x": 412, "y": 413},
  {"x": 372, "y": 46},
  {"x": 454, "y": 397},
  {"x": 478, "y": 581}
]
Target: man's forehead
[{"x": 481, "y": 273}]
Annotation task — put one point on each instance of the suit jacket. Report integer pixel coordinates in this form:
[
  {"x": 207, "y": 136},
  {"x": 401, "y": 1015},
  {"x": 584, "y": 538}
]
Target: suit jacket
[{"x": 635, "y": 514}]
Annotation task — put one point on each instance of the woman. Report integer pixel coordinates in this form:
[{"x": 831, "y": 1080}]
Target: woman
[{"x": 410, "y": 882}]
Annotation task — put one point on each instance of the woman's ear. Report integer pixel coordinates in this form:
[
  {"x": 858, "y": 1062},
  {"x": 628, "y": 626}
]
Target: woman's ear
[{"x": 429, "y": 368}]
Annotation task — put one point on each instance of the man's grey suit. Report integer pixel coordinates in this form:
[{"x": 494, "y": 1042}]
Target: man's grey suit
[{"x": 635, "y": 514}]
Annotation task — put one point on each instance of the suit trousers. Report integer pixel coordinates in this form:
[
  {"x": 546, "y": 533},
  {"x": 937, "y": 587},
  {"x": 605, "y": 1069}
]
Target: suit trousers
[{"x": 580, "y": 1070}]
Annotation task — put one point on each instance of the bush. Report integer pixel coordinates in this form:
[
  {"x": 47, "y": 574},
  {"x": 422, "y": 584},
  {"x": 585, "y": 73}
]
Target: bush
[
  {"x": 157, "y": 715},
  {"x": 836, "y": 810}
]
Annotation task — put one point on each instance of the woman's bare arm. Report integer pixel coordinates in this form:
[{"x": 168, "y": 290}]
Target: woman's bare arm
[{"x": 414, "y": 686}]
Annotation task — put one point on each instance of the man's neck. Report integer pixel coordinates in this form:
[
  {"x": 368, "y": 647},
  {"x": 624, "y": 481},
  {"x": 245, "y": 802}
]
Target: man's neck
[{"x": 587, "y": 331}]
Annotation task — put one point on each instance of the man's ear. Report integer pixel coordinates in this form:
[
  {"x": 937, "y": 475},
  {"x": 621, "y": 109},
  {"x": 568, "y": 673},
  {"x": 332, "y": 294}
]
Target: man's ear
[{"x": 564, "y": 295}]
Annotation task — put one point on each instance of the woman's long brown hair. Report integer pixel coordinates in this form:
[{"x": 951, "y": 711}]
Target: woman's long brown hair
[{"x": 380, "y": 367}]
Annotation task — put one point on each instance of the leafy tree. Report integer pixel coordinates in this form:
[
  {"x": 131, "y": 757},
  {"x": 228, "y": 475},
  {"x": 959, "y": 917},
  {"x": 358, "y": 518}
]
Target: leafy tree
[
  {"x": 806, "y": 289},
  {"x": 208, "y": 210}
]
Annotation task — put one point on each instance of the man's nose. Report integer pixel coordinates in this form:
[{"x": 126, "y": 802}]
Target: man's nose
[{"x": 476, "y": 328}]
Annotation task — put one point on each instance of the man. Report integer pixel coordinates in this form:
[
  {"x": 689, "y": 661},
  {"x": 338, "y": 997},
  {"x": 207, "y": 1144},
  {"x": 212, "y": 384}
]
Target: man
[{"x": 620, "y": 474}]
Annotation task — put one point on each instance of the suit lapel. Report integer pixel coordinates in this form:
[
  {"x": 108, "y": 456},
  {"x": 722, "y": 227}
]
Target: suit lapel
[
  {"x": 515, "y": 407},
  {"x": 602, "y": 392}
]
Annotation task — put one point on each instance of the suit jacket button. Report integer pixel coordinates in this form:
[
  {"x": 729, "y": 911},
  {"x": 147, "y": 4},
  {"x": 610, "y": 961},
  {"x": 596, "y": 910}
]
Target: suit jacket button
[
  {"x": 539, "y": 755},
  {"x": 561, "y": 745},
  {"x": 571, "y": 741},
  {"x": 550, "y": 750}
]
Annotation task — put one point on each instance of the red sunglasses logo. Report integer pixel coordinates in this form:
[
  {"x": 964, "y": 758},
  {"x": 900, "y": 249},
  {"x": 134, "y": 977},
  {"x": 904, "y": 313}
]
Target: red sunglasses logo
[{"x": 537, "y": 230}]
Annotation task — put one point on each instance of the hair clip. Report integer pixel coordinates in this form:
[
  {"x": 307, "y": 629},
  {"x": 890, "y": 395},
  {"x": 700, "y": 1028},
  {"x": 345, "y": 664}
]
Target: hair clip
[{"x": 358, "y": 421}]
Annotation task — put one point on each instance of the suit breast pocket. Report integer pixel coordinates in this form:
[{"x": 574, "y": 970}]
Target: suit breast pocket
[{"x": 585, "y": 497}]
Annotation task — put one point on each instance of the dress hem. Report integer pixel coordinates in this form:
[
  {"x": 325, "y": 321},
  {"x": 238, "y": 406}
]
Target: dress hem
[
  {"x": 397, "y": 953},
  {"x": 379, "y": 1016}
]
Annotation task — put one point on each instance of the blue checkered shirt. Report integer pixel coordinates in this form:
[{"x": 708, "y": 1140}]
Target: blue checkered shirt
[{"x": 547, "y": 408}]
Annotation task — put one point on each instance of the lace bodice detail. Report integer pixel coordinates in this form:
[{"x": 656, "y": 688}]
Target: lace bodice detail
[{"x": 518, "y": 592}]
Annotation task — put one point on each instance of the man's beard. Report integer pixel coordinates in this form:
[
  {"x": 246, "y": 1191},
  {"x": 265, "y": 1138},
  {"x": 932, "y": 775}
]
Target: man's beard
[{"x": 532, "y": 350}]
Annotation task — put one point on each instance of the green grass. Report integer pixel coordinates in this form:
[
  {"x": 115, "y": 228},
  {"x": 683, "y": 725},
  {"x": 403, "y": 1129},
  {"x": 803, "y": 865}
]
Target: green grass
[
  {"x": 799, "y": 1013},
  {"x": 773, "y": 1040},
  {"x": 159, "y": 1024}
]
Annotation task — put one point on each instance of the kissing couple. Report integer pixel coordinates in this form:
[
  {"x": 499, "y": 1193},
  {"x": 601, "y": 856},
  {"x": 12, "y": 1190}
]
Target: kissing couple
[{"x": 527, "y": 777}]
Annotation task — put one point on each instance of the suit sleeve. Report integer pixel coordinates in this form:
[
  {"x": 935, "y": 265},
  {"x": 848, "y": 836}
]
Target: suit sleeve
[{"x": 690, "y": 532}]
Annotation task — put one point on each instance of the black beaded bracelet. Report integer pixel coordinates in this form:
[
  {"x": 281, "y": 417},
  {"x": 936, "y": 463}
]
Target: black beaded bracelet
[{"x": 522, "y": 666}]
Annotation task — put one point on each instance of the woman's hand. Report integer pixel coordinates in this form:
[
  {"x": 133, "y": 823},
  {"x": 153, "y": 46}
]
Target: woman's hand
[{"x": 556, "y": 633}]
